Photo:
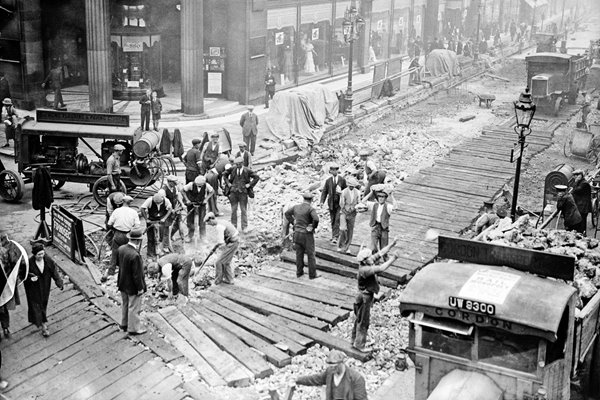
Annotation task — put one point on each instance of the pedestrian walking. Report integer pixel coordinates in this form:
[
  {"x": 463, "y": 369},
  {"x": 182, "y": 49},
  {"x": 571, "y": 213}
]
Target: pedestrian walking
[
  {"x": 331, "y": 192},
  {"x": 228, "y": 238},
  {"x": 249, "y": 124},
  {"x": 145, "y": 109},
  {"x": 566, "y": 205},
  {"x": 380, "y": 217},
  {"x": 487, "y": 218},
  {"x": 211, "y": 152},
  {"x": 305, "y": 219},
  {"x": 54, "y": 80},
  {"x": 10, "y": 119},
  {"x": 176, "y": 269},
  {"x": 131, "y": 283},
  {"x": 4, "y": 87},
  {"x": 368, "y": 289},
  {"x": 196, "y": 196},
  {"x": 245, "y": 154},
  {"x": 156, "y": 108},
  {"x": 582, "y": 194},
  {"x": 241, "y": 181},
  {"x": 341, "y": 382},
  {"x": 269, "y": 87},
  {"x": 193, "y": 161},
  {"x": 156, "y": 210},
  {"x": 12, "y": 258},
  {"x": 122, "y": 221},
  {"x": 174, "y": 193},
  {"x": 113, "y": 168},
  {"x": 349, "y": 199},
  {"x": 42, "y": 270}
]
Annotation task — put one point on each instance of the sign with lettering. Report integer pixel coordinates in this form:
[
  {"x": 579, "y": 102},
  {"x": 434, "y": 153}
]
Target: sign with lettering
[
  {"x": 67, "y": 233},
  {"x": 472, "y": 318},
  {"x": 471, "y": 305},
  {"x": 82, "y": 118},
  {"x": 537, "y": 262},
  {"x": 133, "y": 44},
  {"x": 489, "y": 286}
]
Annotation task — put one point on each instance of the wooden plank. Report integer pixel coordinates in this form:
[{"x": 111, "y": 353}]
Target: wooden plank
[
  {"x": 268, "y": 308},
  {"x": 79, "y": 276},
  {"x": 205, "y": 370},
  {"x": 234, "y": 373},
  {"x": 278, "y": 339},
  {"x": 271, "y": 353},
  {"x": 289, "y": 276},
  {"x": 165, "y": 389},
  {"x": 323, "y": 338},
  {"x": 258, "y": 318},
  {"x": 198, "y": 390},
  {"x": 143, "y": 383},
  {"x": 110, "y": 378},
  {"x": 294, "y": 303},
  {"x": 229, "y": 343},
  {"x": 306, "y": 292}
]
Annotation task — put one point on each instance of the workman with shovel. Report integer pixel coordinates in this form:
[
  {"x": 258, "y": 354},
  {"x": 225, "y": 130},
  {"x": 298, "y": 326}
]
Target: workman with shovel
[
  {"x": 175, "y": 267},
  {"x": 196, "y": 196},
  {"x": 156, "y": 210},
  {"x": 228, "y": 238}
]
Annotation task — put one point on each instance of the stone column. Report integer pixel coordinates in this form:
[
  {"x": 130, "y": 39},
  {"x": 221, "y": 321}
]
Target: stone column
[
  {"x": 192, "y": 44},
  {"x": 98, "y": 54}
]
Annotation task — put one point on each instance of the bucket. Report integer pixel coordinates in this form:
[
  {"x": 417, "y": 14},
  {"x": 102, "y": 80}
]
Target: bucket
[{"x": 148, "y": 142}]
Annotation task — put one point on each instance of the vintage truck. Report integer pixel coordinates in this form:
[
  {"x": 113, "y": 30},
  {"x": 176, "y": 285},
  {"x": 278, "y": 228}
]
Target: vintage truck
[{"x": 502, "y": 324}]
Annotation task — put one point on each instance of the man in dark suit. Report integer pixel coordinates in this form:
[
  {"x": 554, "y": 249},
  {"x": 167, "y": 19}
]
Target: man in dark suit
[
  {"x": 241, "y": 181},
  {"x": 146, "y": 104},
  {"x": 55, "y": 80},
  {"x": 211, "y": 153},
  {"x": 249, "y": 124},
  {"x": 305, "y": 220},
  {"x": 131, "y": 282},
  {"x": 331, "y": 192}
]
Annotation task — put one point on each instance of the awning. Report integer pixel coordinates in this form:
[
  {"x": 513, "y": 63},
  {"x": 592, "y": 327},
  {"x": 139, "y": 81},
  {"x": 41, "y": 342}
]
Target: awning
[
  {"x": 536, "y": 3},
  {"x": 488, "y": 296}
]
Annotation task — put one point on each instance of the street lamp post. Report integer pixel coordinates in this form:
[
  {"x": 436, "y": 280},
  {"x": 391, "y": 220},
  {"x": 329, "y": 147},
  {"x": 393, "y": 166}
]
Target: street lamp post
[
  {"x": 476, "y": 46},
  {"x": 351, "y": 27},
  {"x": 533, "y": 19},
  {"x": 524, "y": 111}
]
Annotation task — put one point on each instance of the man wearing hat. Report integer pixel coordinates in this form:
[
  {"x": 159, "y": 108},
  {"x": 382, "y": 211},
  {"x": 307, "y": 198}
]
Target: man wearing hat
[
  {"x": 245, "y": 154},
  {"x": 156, "y": 210},
  {"x": 176, "y": 268},
  {"x": 55, "y": 80},
  {"x": 487, "y": 218},
  {"x": 582, "y": 194},
  {"x": 241, "y": 181},
  {"x": 349, "y": 199},
  {"x": 373, "y": 176},
  {"x": 173, "y": 192},
  {"x": 211, "y": 153},
  {"x": 305, "y": 220},
  {"x": 213, "y": 178},
  {"x": 10, "y": 119},
  {"x": 331, "y": 191},
  {"x": 341, "y": 382},
  {"x": 368, "y": 288},
  {"x": 121, "y": 222},
  {"x": 249, "y": 124},
  {"x": 131, "y": 283},
  {"x": 196, "y": 196},
  {"x": 380, "y": 217},
  {"x": 566, "y": 205},
  {"x": 228, "y": 238},
  {"x": 113, "y": 168},
  {"x": 193, "y": 161}
]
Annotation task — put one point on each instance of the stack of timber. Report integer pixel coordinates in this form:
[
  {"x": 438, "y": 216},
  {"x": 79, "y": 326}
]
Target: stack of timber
[
  {"x": 446, "y": 197},
  {"x": 74, "y": 362}
]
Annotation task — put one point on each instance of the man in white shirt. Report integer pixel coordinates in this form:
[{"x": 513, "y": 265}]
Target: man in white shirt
[
  {"x": 196, "y": 197},
  {"x": 156, "y": 210},
  {"x": 348, "y": 200},
  {"x": 380, "y": 217},
  {"x": 121, "y": 221},
  {"x": 227, "y": 237}
]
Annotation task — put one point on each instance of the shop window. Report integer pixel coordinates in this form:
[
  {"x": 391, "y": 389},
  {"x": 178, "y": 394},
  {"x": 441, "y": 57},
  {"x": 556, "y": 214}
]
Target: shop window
[
  {"x": 339, "y": 48},
  {"x": 518, "y": 352},
  {"x": 379, "y": 35},
  {"x": 315, "y": 37},
  {"x": 445, "y": 336},
  {"x": 400, "y": 25},
  {"x": 281, "y": 43}
]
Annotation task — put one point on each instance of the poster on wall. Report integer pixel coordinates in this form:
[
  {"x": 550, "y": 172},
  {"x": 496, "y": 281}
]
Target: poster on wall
[
  {"x": 401, "y": 22},
  {"x": 315, "y": 34},
  {"x": 379, "y": 24},
  {"x": 278, "y": 38},
  {"x": 214, "y": 83},
  {"x": 214, "y": 51}
]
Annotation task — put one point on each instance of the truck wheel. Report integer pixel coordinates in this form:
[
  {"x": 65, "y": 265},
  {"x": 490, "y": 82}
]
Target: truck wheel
[
  {"x": 557, "y": 105},
  {"x": 101, "y": 190},
  {"x": 11, "y": 186}
]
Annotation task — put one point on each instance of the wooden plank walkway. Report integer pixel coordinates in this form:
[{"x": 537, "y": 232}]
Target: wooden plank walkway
[
  {"x": 85, "y": 356},
  {"x": 446, "y": 197}
]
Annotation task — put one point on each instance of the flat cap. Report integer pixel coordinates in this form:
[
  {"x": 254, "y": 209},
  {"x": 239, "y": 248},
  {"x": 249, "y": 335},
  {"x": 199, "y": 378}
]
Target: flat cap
[
  {"x": 137, "y": 233},
  {"x": 200, "y": 180},
  {"x": 250, "y": 107},
  {"x": 560, "y": 188},
  {"x": 238, "y": 160},
  {"x": 334, "y": 166},
  {"x": 7, "y": 102},
  {"x": 242, "y": 144},
  {"x": 214, "y": 134},
  {"x": 36, "y": 248},
  {"x": 119, "y": 147},
  {"x": 158, "y": 198},
  {"x": 488, "y": 203},
  {"x": 578, "y": 172},
  {"x": 307, "y": 195},
  {"x": 363, "y": 255},
  {"x": 171, "y": 178},
  {"x": 118, "y": 198},
  {"x": 127, "y": 199},
  {"x": 335, "y": 357},
  {"x": 210, "y": 215},
  {"x": 196, "y": 141},
  {"x": 363, "y": 152},
  {"x": 351, "y": 181}
]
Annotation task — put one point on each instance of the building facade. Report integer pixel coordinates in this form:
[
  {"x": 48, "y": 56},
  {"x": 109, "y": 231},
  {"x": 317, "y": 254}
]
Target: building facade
[{"x": 224, "y": 47}]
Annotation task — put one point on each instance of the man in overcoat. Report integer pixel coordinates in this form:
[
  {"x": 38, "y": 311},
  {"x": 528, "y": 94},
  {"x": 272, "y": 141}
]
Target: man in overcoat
[
  {"x": 566, "y": 205},
  {"x": 582, "y": 194},
  {"x": 249, "y": 124},
  {"x": 331, "y": 192},
  {"x": 131, "y": 283},
  {"x": 305, "y": 220},
  {"x": 241, "y": 181}
]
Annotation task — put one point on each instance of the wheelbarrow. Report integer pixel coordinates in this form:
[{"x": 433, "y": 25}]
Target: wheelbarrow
[{"x": 583, "y": 143}]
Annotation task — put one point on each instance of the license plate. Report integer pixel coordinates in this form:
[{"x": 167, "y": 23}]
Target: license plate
[{"x": 472, "y": 305}]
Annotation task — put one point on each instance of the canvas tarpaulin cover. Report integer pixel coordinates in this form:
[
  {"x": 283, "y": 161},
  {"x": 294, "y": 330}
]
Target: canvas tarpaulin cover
[
  {"x": 441, "y": 62},
  {"x": 300, "y": 114}
]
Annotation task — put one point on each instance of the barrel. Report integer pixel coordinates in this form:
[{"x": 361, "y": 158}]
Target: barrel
[
  {"x": 561, "y": 175},
  {"x": 145, "y": 144},
  {"x": 582, "y": 141}
]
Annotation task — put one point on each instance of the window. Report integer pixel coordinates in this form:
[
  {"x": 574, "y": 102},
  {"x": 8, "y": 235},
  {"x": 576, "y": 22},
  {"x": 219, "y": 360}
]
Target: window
[
  {"x": 445, "y": 336},
  {"x": 518, "y": 352}
]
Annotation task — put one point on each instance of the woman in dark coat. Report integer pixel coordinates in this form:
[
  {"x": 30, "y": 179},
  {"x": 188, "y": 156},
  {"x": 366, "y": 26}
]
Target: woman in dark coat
[{"x": 37, "y": 286}]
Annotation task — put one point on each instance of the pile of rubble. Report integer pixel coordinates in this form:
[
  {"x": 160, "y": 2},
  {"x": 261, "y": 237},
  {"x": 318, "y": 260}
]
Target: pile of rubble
[{"x": 522, "y": 233}]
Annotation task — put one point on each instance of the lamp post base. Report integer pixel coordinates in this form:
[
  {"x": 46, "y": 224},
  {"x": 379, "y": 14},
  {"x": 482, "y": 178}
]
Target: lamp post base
[{"x": 348, "y": 104}]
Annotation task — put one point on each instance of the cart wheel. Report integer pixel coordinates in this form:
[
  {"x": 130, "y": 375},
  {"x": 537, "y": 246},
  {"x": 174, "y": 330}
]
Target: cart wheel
[
  {"x": 11, "y": 186},
  {"x": 101, "y": 190},
  {"x": 158, "y": 169},
  {"x": 557, "y": 105},
  {"x": 57, "y": 184}
]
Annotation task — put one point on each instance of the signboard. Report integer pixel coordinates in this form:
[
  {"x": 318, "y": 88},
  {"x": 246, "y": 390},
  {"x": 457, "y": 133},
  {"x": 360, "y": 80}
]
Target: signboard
[
  {"x": 214, "y": 83},
  {"x": 132, "y": 44},
  {"x": 315, "y": 34},
  {"x": 537, "y": 262},
  {"x": 471, "y": 305},
  {"x": 279, "y": 38},
  {"x": 82, "y": 118},
  {"x": 489, "y": 286},
  {"x": 67, "y": 233}
]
